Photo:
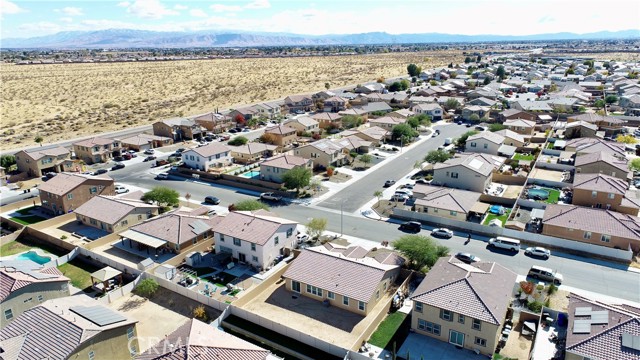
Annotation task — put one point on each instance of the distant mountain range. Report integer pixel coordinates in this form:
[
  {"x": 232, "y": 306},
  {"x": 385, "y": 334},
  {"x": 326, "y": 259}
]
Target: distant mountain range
[{"x": 125, "y": 38}]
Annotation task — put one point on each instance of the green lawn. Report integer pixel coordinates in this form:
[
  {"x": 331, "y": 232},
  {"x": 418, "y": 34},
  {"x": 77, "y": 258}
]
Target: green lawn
[
  {"x": 22, "y": 245},
  {"x": 26, "y": 211},
  {"x": 387, "y": 328},
  {"x": 28, "y": 220},
  {"x": 502, "y": 217},
  {"x": 79, "y": 273},
  {"x": 554, "y": 195},
  {"x": 523, "y": 157}
]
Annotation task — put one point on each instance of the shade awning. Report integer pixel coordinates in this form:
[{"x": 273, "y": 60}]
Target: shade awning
[
  {"x": 537, "y": 214},
  {"x": 479, "y": 208},
  {"x": 148, "y": 240},
  {"x": 105, "y": 274}
]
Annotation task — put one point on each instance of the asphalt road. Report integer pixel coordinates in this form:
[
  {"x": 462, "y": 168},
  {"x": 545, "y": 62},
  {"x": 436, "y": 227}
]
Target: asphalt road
[{"x": 359, "y": 193}]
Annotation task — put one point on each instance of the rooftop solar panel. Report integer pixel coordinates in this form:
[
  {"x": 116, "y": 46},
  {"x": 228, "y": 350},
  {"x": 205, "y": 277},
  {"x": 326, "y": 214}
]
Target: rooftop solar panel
[
  {"x": 583, "y": 311},
  {"x": 582, "y": 326}
]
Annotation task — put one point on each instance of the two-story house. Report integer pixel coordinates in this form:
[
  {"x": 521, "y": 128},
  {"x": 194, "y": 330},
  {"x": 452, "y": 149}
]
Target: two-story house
[
  {"x": 328, "y": 120},
  {"x": 335, "y": 104},
  {"x": 39, "y": 161},
  {"x": 523, "y": 127},
  {"x": 374, "y": 134},
  {"x": 470, "y": 110},
  {"x": 467, "y": 171},
  {"x": 122, "y": 213},
  {"x": 304, "y": 124},
  {"x": 255, "y": 238},
  {"x": 97, "y": 150},
  {"x": 282, "y": 135},
  {"x": 26, "y": 284},
  {"x": 484, "y": 142},
  {"x": 603, "y": 163},
  {"x": 274, "y": 169},
  {"x": 511, "y": 138},
  {"x": 179, "y": 129},
  {"x": 214, "y": 122},
  {"x": 512, "y": 114},
  {"x": 609, "y": 124},
  {"x": 323, "y": 153},
  {"x": 269, "y": 110},
  {"x": 595, "y": 145},
  {"x": 349, "y": 279},
  {"x": 604, "y": 191},
  {"x": 66, "y": 192},
  {"x": 213, "y": 155},
  {"x": 432, "y": 109},
  {"x": 298, "y": 103},
  {"x": 474, "y": 319}
]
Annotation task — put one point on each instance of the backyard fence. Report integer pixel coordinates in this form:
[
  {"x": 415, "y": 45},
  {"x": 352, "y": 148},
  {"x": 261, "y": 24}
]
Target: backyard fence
[
  {"x": 219, "y": 302},
  {"x": 61, "y": 260},
  {"x": 116, "y": 294}
]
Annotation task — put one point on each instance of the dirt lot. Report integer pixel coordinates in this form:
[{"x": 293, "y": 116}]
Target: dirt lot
[{"x": 64, "y": 101}]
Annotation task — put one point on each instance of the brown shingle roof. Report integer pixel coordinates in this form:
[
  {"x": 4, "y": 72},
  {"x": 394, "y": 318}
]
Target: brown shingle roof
[
  {"x": 604, "y": 157},
  {"x": 63, "y": 183},
  {"x": 520, "y": 122},
  {"x": 118, "y": 208},
  {"x": 257, "y": 227},
  {"x": 481, "y": 291},
  {"x": 253, "y": 148},
  {"x": 483, "y": 164},
  {"x": 94, "y": 141},
  {"x": 280, "y": 130},
  {"x": 600, "y": 221},
  {"x": 600, "y": 182},
  {"x": 591, "y": 145}
]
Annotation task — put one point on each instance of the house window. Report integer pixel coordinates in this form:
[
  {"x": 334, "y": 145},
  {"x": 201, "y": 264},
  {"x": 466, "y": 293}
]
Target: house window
[
  {"x": 130, "y": 332},
  {"x": 456, "y": 338},
  {"x": 461, "y": 318},
  {"x": 237, "y": 242},
  {"x": 454, "y": 175},
  {"x": 28, "y": 300},
  {"x": 93, "y": 190},
  {"x": 453, "y": 213},
  {"x": 429, "y": 327},
  {"x": 418, "y": 307},
  {"x": 124, "y": 222},
  {"x": 378, "y": 294},
  {"x": 92, "y": 355},
  {"x": 69, "y": 196},
  {"x": 594, "y": 194},
  {"x": 331, "y": 295},
  {"x": 253, "y": 247},
  {"x": 276, "y": 240},
  {"x": 476, "y": 324},
  {"x": 587, "y": 235},
  {"x": 254, "y": 258},
  {"x": 140, "y": 217},
  {"x": 446, "y": 315},
  {"x": 345, "y": 300},
  {"x": 486, "y": 146},
  {"x": 314, "y": 290},
  {"x": 473, "y": 144},
  {"x": 289, "y": 233},
  {"x": 40, "y": 298},
  {"x": 361, "y": 305},
  {"x": 295, "y": 286},
  {"x": 8, "y": 314},
  {"x": 480, "y": 341},
  {"x": 612, "y": 195},
  {"x": 605, "y": 238}
]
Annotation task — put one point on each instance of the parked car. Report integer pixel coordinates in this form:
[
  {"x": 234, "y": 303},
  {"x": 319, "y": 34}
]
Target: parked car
[
  {"x": 538, "y": 251},
  {"x": 181, "y": 150},
  {"x": 149, "y": 151},
  {"x": 121, "y": 189},
  {"x": 411, "y": 226},
  {"x": 407, "y": 186},
  {"x": 211, "y": 200},
  {"x": 302, "y": 237},
  {"x": 269, "y": 196},
  {"x": 161, "y": 162},
  {"x": 126, "y": 156},
  {"x": 131, "y": 152},
  {"x": 149, "y": 158},
  {"x": 405, "y": 191},
  {"x": 224, "y": 137},
  {"x": 442, "y": 233},
  {"x": 542, "y": 273},
  {"x": 459, "y": 122},
  {"x": 246, "y": 130},
  {"x": 466, "y": 257},
  {"x": 389, "y": 183},
  {"x": 162, "y": 176},
  {"x": 50, "y": 175},
  {"x": 424, "y": 181},
  {"x": 233, "y": 131},
  {"x": 399, "y": 198},
  {"x": 117, "y": 166},
  {"x": 503, "y": 242},
  {"x": 90, "y": 173},
  {"x": 118, "y": 158},
  {"x": 299, "y": 112},
  {"x": 101, "y": 171}
]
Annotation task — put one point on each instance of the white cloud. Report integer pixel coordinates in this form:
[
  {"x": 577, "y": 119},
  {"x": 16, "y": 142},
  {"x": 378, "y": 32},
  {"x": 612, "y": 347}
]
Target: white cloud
[
  {"x": 148, "y": 9},
  {"x": 66, "y": 19},
  {"x": 40, "y": 27},
  {"x": 7, "y": 7},
  {"x": 258, "y": 4},
  {"x": 180, "y": 7},
  {"x": 197, "y": 13},
  {"x": 70, "y": 11},
  {"x": 225, "y": 8},
  {"x": 124, "y": 4}
]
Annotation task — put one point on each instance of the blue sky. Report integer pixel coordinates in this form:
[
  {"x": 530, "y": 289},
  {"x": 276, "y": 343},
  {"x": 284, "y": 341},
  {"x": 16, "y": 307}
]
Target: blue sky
[{"x": 509, "y": 17}]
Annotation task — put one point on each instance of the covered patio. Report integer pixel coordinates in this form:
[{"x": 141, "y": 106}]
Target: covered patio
[
  {"x": 145, "y": 245},
  {"x": 106, "y": 279}
]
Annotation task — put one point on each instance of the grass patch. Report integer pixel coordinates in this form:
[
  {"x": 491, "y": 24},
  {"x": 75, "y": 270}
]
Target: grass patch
[
  {"x": 28, "y": 220},
  {"x": 554, "y": 196},
  {"x": 387, "y": 328},
  {"x": 26, "y": 211},
  {"x": 503, "y": 218},
  {"x": 22, "y": 245},
  {"x": 79, "y": 273},
  {"x": 523, "y": 157}
]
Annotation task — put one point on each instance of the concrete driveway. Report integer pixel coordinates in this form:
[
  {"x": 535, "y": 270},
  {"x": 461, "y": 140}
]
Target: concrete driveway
[{"x": 419, "y": 345}]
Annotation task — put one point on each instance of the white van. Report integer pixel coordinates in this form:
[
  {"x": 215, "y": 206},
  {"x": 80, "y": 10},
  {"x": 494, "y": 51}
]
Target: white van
[
  {"x": 542, "y": 273},
  {"x": 505, "y": 243},
  {"x": 448, "y": 141}
]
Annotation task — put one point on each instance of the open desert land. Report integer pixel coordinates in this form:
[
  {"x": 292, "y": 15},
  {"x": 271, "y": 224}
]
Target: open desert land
[{"x": 59, "y": 102}]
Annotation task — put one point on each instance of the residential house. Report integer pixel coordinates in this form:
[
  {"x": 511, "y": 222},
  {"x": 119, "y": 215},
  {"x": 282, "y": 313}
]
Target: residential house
[
  {"x": 335, "y": 104},
  {"x": 26, "y": 284},
  {"x": 298, "y": 103},
  {"x": 274, "y": 169},
  {"x": 213, "y": 155},
  {"x": 73, "y": 327},
  {"x": 355, "y": 111},
  {"x": 175, "y": 231},
  {"x": 402, "y": 113},
  {"x": 328, "y": 120},
  {"x": 484, "y": 142},
  {"x": 304, "y": 124},
  {"x": 370, "y": 88},
  {"x": 511, "y": 138},
  {"x": 603, "y": 163},
  {"x": 483, "y": 292},
  {"x": 387, "y": 122},
  {"x": 482, "y": 101},
  {"x": 66, "y": 191},
  {"x": 630, "y": 101},
  {"x": 252, "y": 152},
  {"x": 179, "y": 129},
  {"x": 122, "y": 214},
  {"x": 349, "y": 280},
  {"x": 598, "y": 330},
  {"x": 97, "y": 150},
  {"x": 523, "y": 127},
  {"x": 142, "y": 142},
  {"x": 353, "y": 143},
  {"x": 594, "y": 226},
  {"x": 269, "y": 110},
  {"x": 246, "y": 113},
  {"x": 39, "y": 161},
  {"x": 512, "y": 114},
  {"x": 323, "y": 95},
  {"x": 470, "y": 110},
  {"x": 485, "y": 92},
  {"x": 214, "y": 122},
  {"x": 595, "y": 145},
  {"x": 526, "y": 105},
  {"x": 376, "y": 135},
  {"x": 323, "y": 153},
  {"x": 372, "y": 107},
  {"x": 431, "y": 109},
  {"x": 256, "y": 238},
  {"x": 580, "y": 129},
  {"x": 609, "y": 124},
  {"x": 467, "y": 171},
  {"x": 283, "y": 135},
  {"x": 444, "y": 202},
  {"x": 603, "y": 191},
  {"x": 196, "y": 339}
]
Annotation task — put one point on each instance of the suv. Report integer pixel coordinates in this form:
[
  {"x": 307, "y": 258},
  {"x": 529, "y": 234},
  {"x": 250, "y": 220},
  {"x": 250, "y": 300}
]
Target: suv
[
  {"x": 505, "y": 243},
  {"x": 542, "y": 273},
  {"x": 411, "y": 226},
  {"x": 269, "y": 196}
]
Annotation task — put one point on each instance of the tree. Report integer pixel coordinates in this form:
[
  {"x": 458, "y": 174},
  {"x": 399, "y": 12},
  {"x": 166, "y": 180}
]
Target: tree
[
  {"x": 399, "y": 86},
  {"x": 268, "y": 138},
  {"x": 404, "y": 132},
  {"x": 467, "y": 60},
  {"x": 496, "y": 127},
  {"x": 414, "y": 70},
  {"x": 297, "y": 178},
  {"x": 250, "y": 205},
  {"x": 421, "y": 251},
  {"x": 327, "y": 86},
  {"x": 147, "y": 287},
  {"x": 437, "y": 156},
  {"x": 500, "y": 72},
  {"x": 486, "y": 81},
  {"x": 634, "y": 165},
  {"x": 351, "y": 121},
  {"x": 478, "y": 59},
  {"x": 163, "y": 196},
  {"x": 366, "y": 159},
  {"x": 6, "y": 161},
  {"x": 378, "y": 194},
  {"x": 626, "y": 139},
  {"x": 462, "y": 140},
  {"x": 599, "y": 104},
  {"x": 240, "y": 120},
  {"x": 413, "y": 122},
  {"x": 316, "y": 226},
  {"x": 474, "y": 117},
  {"x": 240, "y": 140},
  {"x": 451, "y": 104},
  {"x": 38, "y": 139},
  {"x": 611, "y": 99}
]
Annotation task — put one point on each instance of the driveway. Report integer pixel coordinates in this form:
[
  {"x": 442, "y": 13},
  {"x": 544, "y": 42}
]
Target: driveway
[{"x": 420, "y": 345}]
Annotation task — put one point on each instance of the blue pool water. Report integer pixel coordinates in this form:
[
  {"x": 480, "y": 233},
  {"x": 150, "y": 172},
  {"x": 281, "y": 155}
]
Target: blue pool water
[
  {"x": 540, "y": 193},
  {"x": 496, "y": 209},
  {"x": 251, "y": 174},
  {"x": 31, "y": 255}
]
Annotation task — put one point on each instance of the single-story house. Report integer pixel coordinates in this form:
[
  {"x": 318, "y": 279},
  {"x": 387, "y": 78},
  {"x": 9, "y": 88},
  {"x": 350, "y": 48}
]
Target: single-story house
[
  {"x": 444, "y": 202},
  {"x": 252, "y": 152},
  {"x": 122, "y": 213},
  {"x": 274, "y": 169}
]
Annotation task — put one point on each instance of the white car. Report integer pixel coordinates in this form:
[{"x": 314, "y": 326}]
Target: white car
[
  {"x": 302, "y": 237},
  {"x": 149, "y": 151},
  {"x": 538, "y": 251},
  {"x": 121, "y": 189},
  {"x": 269, "y": 196},
  {"x": 162, "y": 176},
  {"x": 442, "y": 233}
]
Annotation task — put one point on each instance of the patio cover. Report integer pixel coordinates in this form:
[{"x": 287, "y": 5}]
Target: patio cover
[
  {"x": 507, "y": 150},
  {"x": 561, "y": 144},
  {"x": 105, "y": 274},
  {"x": 479, "y": 208},
  {"x": 537, "y": 213},
  {"x": 143, "y": 238}
]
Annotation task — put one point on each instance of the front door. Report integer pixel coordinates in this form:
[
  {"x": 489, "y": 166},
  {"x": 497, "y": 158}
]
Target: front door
[
  {"x": 242, "y": 257},
  {"x": 456, "y": 338}
]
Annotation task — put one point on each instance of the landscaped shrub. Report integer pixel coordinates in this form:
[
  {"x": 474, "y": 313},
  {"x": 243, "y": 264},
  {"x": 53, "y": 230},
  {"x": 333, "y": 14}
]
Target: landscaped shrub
[
  {"x": 527, "y": 287},
  {"x": 535, "y": 306}
]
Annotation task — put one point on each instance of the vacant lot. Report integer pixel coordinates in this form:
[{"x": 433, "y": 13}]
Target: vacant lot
[{"x": 64, "y": 101}]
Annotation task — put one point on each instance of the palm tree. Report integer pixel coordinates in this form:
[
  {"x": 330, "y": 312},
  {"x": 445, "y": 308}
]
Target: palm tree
[{"x": 378, "y": 194}]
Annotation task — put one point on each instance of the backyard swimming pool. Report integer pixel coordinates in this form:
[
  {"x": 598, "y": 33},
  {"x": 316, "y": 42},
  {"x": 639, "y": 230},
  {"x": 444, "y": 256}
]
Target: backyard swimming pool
[
  {"x": 33, "y": 256},
  {"x": 251, "y": 174},
  {"x": 496, "y": 209},
  {"x": 538, "y": 193}
]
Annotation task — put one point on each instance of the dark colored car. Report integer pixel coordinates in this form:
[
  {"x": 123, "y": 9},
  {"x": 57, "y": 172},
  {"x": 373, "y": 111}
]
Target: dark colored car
[
  {"x": 126, "y": 156},
  {"x": 149, "y": 158},
  {"x": 211, "y": 200},
  {"x": 118, "y": 158},
  {"x": 117, "y": 166},
  {"x": 389, "y": 183},
  {"x": 466, "y": 257},
  {"x": 101, "y": 171},
  {"x": 181, "y": 150},
  {"x": 233, "y": 131},
  {"x": 411, "y": 226}
]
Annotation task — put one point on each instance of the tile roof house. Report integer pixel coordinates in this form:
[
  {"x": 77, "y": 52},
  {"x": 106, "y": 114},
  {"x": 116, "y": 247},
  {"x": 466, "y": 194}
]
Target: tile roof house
[
  {"x": 39, "y": 161},
  {"x": 580, "y": 129},
  {"x": 323, "y": 153},
  {"x": 74, "y": 327},
  {"x": 24, "y": 284},
  {"x": 467, "y": 171},
  {"x": 444, "y": 202},
  {"x": 67, "y": 191},
  {"x": 295, "y": 103},
  {"x": 255, "y": 238},
  {"x": 179, "y": 129},
  {"x": 122, "y": 213},
  {"x": 97, "y": 149},
  {"x": 273, "y": 169},
  {"x": 335, "y": 104},
  {"x": 604, "y": 191},
  {"x": 386, "y": 122},
  {"x": 304, "y": 124},
  {"x": 353, "y": 143},
  {"x": 610, "y": 124},
  {"x": 214, "y": 122},
  {"x": 283, "y": 135},
  {"x": 603, "y": 163},
  {"x": 372, "y": 107},
  {"x": 196, "y": 339},
  {"x": 594, "y": 226},
  {"x": 252, "y": 152},
  {"x": 211, "y": 156},
  {"x": 349, "y": 279},
  {"x": 432, "y": 109},
  {"x": 523, "y": 127},
  {"x": 326, "y": 120},
  {"x": 484, "y": 142},
  {"x": 463, "y": 304},
  {"x": 143, "y": 142},
  {"x": 602, "y": 331},
  {"x": 594, "y": 145}
]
